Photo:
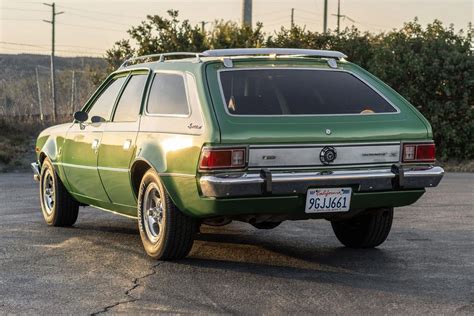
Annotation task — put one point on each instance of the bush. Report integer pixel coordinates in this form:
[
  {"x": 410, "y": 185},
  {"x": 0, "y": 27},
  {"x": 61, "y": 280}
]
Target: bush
[{"x": 432, "y": 67}]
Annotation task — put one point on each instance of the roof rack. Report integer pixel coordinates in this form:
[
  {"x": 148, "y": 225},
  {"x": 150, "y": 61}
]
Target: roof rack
[
  {"x": 273, "y": 51},
  {"x": 161, "y": 57},
  {"x": 243, "y": 52}
]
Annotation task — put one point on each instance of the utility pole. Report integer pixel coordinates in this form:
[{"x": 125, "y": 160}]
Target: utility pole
[
  {"x": 247, "y": 12},
  {"x": 39, "y": 95},
  {"x": 203, "y": 26},
  {"x": 339, "y": 16},
  {"x": 73, "y": 91},
  {"x": 292, "y": 17},
  {"x": 53, "y": 74},
  {"x": 325, "y": 25}
]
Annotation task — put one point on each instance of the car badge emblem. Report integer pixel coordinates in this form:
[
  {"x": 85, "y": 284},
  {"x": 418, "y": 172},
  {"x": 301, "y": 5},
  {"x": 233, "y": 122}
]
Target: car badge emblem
[
  {"x": 328, "y": 131},
  {"x": 327, "y": 155}
]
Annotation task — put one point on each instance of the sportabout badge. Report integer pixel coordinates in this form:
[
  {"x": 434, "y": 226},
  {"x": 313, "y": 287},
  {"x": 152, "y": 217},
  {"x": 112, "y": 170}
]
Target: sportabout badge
[{"x": 327, "y": 155}]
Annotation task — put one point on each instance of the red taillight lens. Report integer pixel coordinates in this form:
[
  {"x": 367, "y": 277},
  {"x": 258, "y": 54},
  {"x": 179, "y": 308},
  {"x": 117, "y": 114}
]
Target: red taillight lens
[
  {"x": 419, "y": 152},
  {"x": 222, "y": 158}
]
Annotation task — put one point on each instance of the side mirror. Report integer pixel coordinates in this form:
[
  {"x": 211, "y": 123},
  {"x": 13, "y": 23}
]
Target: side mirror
[
  {"x": 81, "y": 116},
  {"x": 97, "y": 119}
]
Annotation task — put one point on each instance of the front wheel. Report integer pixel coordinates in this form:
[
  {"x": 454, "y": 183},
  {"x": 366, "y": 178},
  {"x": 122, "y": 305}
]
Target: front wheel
[
  {"x": 166, "y": 232},
  {"x": 367, "y": 230},
  {"x": 59, "y": 208}
]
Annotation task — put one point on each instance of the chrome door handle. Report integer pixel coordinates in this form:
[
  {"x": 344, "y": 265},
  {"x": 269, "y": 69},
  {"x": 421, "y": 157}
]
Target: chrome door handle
[
  {"x": 95, "y": 145},
  {"x": 127, "y": 144}
]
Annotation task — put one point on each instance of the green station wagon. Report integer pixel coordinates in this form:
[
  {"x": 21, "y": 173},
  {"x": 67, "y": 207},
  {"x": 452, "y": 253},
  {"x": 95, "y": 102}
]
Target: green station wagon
[{"x": 261, "y": 136}]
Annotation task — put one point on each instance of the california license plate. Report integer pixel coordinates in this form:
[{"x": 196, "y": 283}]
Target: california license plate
[{"x": 328, "y": 200}]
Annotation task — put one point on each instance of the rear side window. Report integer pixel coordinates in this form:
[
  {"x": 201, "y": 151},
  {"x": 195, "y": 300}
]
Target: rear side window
[
  {"x": 104, "y": 104},
  {"x": 299, "y": 92},
  {"x": 128, "y": 107},
  {"x": 168, "y": 95}
]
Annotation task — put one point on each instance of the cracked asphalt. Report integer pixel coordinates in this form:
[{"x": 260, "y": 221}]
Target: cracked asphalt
[{"x": 425, "y": 267}]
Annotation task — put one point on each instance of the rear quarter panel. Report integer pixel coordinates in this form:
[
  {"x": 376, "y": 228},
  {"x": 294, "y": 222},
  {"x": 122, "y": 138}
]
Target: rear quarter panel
[{"x": 172, "y": 145}]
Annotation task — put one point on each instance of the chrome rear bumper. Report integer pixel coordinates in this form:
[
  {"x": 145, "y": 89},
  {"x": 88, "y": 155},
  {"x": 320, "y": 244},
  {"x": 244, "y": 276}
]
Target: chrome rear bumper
[
  {"x": 36, "y": 171},
  {"x": 290, "y": 183}
]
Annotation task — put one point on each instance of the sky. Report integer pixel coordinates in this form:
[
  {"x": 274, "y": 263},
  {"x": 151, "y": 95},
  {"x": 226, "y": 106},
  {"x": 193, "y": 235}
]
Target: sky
[{"x": 88, "y": 28}]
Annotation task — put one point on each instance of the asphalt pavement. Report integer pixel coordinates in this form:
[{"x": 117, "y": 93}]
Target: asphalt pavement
[{"x": 426, "y": 266}]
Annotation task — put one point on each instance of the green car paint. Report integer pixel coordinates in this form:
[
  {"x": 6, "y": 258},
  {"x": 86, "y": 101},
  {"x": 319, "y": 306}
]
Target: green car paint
[{"x": 104, "y": 175}]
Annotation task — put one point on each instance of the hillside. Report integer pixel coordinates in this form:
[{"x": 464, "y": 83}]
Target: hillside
[{"x": 21, "y": 93}]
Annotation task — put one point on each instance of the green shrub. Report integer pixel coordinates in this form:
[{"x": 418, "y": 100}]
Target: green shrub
[{"x": 432, "y": 67}]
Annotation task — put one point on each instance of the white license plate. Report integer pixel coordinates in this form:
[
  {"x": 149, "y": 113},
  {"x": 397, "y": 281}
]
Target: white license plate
[{"x": 328, "y": 200}]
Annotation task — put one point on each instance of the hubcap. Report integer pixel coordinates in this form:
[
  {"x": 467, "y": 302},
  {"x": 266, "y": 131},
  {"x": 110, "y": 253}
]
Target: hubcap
[
  {"x": 49, "y": 195},
  {"x": 153, "y": 213}
]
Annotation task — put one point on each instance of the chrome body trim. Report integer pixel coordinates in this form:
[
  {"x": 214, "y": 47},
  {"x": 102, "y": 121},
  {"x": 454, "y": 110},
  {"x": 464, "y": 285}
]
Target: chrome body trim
[
  {"x": 347, "y": 154},
  {"x": 36, "y": 171},
  {"x": 293, "y": 183}
]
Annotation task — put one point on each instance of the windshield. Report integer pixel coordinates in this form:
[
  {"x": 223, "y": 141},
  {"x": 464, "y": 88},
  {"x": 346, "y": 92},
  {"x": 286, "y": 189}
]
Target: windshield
[{"x": 299, "y": 92}]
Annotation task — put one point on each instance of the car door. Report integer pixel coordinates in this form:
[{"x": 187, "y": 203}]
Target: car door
[
  {"x": 118, "y": 147},
  {"x": 80, "y": 150}
]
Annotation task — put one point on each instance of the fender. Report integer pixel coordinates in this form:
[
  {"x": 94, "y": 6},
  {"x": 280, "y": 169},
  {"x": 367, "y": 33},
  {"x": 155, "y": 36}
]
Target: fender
[{"x": 49, "y": 144}]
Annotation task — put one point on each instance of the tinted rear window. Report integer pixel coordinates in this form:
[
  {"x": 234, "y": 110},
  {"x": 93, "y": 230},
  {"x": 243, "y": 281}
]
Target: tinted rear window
[{"x": 299, "y": 92}]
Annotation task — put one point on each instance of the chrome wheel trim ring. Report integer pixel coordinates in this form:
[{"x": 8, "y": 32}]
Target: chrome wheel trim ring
[
  {"x": 153, "y": 215},
  {"x": 49, "y": 194}
]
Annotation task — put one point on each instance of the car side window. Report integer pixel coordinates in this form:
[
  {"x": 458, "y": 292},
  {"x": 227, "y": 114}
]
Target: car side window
[
  {"x": 168, "y": 95},
  {"x": 104, "y": 104},
  {"x": 128, "y": 106}
]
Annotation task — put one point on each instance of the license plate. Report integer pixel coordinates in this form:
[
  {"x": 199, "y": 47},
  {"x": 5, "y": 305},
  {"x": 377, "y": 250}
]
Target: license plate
[{"x": 328, "y": 200}]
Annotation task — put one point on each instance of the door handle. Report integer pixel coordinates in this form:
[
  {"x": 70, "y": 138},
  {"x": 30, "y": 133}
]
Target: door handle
[
  {"x": 95, "y": 145},
  {"x": 127, "y": 144}
]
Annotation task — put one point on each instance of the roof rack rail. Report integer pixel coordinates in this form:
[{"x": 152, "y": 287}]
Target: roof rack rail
[
  {"x": 161, "y": 57},
  {"x": 243, "y": 52},
  {"x": 273, "y": 51}
]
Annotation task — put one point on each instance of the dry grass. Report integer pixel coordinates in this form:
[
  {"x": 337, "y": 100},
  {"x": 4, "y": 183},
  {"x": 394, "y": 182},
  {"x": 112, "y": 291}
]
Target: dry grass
[
  {"x": 459, "y": 166},
  {"x": 17, "y": 145}
]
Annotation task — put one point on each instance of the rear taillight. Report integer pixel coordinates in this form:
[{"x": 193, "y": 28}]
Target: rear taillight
[
  {"x": 419, "y": 152},
  {"x": 222, "y": 158}
]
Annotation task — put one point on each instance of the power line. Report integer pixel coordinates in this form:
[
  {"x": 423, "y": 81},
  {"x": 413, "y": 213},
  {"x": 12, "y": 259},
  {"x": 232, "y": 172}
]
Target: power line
[
  {"x": 19, "y": 9},
  {"x": 92, "y": 27},
  {"x": 21, "y": 44},
  {"x": 101, "y": 12},
  {"x": 95, "y": 19},
  {"x": 10, "y": 19},
  {"x": 44, "y": 46}
]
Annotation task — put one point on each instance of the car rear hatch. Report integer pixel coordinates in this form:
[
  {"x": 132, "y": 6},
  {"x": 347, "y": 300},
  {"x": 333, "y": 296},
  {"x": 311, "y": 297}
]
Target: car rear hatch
[{"x": 289, "y": 111}]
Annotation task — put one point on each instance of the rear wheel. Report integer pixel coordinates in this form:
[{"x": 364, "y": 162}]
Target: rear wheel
[
  {"x": 166, "y": 232},
  {"x": 59, "y": 208},
  {"x": 367, "y": 230}
]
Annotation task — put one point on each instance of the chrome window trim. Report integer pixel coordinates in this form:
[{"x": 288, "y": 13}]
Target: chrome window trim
[
  {"x": 173, "y": 72},
  {"x": 302, "y": 115}
]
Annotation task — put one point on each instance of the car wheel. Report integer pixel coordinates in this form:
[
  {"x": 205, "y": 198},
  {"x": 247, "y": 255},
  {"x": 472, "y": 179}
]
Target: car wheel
[
  {"x": 59, "y": 208},
  {"x": 266, "y": 225},
  {"x": 166, "y": 232},
  {"x": 367, "y": 230}
]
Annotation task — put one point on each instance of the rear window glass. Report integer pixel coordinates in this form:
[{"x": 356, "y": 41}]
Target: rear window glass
[{"x": 299, "y": 92}]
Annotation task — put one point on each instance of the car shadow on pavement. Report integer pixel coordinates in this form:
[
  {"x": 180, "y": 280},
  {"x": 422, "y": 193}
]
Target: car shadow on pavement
[{"x": 368, "y": 269}]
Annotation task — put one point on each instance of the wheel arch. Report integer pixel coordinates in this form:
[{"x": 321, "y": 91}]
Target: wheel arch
[{"x": 138, "y": 169}]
